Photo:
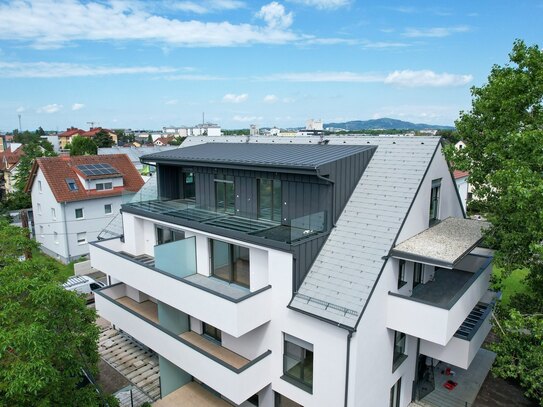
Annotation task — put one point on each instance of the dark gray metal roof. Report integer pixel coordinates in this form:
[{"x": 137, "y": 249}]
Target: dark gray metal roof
[{"x": 295, "y": 156}]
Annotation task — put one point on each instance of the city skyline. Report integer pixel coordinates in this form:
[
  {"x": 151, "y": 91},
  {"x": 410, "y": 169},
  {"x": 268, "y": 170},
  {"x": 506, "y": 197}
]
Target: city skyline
[{"x": 151, "y": 64}]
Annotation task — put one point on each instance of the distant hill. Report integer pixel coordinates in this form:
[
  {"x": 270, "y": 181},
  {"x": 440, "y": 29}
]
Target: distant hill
[{"x": 386, "y": 124}]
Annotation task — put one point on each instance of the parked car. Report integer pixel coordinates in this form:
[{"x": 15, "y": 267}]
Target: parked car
[{"x": 83, "y": 285}]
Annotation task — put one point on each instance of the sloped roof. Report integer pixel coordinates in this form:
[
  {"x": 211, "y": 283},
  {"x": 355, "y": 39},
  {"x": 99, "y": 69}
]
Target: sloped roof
[
  {"x": 57, "y": 169},
  {"x": 95, "y": 130},
  {"x": 295, "y": 156},
  {"x": 70, "y": 132},
  {"x": 340, "y": 281},
  {"x": 9, "y": 159},
  {"x": 460, "y": 174}
]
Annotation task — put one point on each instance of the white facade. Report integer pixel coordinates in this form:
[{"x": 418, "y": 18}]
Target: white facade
[
  {"x": 351, "y": 367},
  {"x": 58, "y": 230}
]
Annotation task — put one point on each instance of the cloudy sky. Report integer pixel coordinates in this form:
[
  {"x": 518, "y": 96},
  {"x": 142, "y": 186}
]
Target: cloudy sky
[{"x": 148, "y": 64}]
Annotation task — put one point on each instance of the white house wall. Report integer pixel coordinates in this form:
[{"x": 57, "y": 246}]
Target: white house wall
[{"x": 418, "y": 217}]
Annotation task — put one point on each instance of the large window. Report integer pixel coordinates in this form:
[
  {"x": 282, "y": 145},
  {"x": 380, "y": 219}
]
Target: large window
[
  {"x": 224, "y": 194},
  {"x": 211, "y": 332},
  {"x": 104, "y": 185},
  {"x": 230, "y": 262},
  {"x": 269, "y": 199},
  {"x": 399, "y": 350},
  {"x": 395, "y": 393},
  {"x": 298, "y": 362},
  {"x": 189, "y": 190},
  {"x": 417, "y": 274},
  {"x": 401, "y": 275},
  {"x": 166, "y": 235},
  {"x": 434, "y": 201}
]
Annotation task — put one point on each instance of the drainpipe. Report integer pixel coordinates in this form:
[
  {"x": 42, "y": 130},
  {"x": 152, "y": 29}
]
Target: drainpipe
[
  {"x": 349, "y": 336},
  {"x": 66, "y": 231}
]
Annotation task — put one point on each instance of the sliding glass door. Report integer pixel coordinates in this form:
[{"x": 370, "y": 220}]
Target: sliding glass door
[
  {"x": 230, "y": 263},
  {"x": 224, "y": 194}
]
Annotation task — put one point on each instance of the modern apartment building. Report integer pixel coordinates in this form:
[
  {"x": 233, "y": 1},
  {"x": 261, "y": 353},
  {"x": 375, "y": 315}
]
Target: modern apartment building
[
  {"x": 285, "y": 272},
  {"x": 74, "y": 198}
]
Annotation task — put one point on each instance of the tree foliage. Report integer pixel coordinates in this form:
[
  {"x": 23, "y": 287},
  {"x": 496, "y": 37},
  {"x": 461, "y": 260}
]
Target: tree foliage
[
  {"x": 82, "y": 146},
  {"x": 503, "y": 133},
  {"x": 47, "y": 334},
  {"x": 520, "y": 353},
  {"x": 32, "y": 150},
  {"x": 103, "y": 139}
]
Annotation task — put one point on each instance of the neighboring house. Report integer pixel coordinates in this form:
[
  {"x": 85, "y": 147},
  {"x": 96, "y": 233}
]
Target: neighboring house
[
  {"x": 284, "y": 272},
  {"x": 9, "y": 162},
  {"x": 74, "y": 198},
  {"x": 66, "y": 137},
  {"x": 462, "y": 184},
  {"x": 164, "y": 141}
]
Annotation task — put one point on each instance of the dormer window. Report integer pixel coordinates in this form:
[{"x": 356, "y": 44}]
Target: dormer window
[
  {"x": 104, "y": 186},
  {"x": 72, "y": 186}
]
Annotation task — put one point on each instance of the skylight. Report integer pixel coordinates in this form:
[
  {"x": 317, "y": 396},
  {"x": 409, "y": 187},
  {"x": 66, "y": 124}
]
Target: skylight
[{"x": 71, "y": 184}]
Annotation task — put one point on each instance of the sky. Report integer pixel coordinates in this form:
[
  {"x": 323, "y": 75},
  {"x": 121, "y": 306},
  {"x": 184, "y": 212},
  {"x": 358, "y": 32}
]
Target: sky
[{"x": 148, "y": 64}]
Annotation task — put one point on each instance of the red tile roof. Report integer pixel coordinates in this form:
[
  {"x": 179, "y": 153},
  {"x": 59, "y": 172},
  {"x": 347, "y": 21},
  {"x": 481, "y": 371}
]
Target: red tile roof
[
  {"x": 460, "y": 174},
  {"x": 8, "y": 158},
  {"x": 92, "y": 132},
  {"x": 164, "y": 140},
  {"x": 57, "y": 169},
  {"x": 71, "y": 132}
]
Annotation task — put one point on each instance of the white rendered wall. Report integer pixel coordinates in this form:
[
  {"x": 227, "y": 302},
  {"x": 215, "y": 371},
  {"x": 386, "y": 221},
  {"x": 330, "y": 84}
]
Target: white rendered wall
[
  {"x": 449, "y": 205},
  {"x": 462, "y": 185}
]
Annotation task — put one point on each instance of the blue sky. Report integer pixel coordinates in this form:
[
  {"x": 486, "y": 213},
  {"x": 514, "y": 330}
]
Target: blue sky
[{"x": 138, "y": 64}]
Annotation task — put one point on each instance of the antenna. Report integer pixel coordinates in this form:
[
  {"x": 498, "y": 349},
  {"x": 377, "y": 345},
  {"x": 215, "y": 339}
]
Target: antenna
[
  {"x": 20, "y": 128},
  {"x": 91, "y": 124},
  {"x": 203, "y": 118}
]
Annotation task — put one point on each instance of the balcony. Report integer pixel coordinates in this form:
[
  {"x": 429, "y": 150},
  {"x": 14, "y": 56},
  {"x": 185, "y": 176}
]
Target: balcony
[
  {"x": 466, "y": 342},
  {"x": 437, "y": 309},
  {"x": 234, "y": 224},
  {"x": 228, "y": 373},
  {"x": 171, "y": 276}
]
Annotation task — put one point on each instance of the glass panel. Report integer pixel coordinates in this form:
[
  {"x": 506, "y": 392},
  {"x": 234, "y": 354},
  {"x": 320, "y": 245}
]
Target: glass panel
[
  {"x": 221, "y": 261},
  {"x": 219, "y": 196},
  {"x": 265, "y": 199},
  {"x": 241, "y": 265},
  {"x": 417, "y": 274},
  {"x": 230, "y": 198},
  {"x": 177, "y": 258},
  {"x": 298, "y": 363},
  {"x": 212, "y": 332},
  {"x": 189, "y": 190}
]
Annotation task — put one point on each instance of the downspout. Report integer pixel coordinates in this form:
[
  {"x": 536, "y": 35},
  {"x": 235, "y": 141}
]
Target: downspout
[
  {"x": 66, "y": 231},
  {"x": 333, "y": 194},
  {"x": 349, "y": 337}
]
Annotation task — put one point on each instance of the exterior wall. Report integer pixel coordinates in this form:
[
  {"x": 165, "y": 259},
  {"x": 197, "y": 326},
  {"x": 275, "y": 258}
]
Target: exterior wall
[
  {"x": 44, "y": 221},
  {"x": 94, "y": 220},
  {"x": 418, "y": 217},
  {"x": 463, "y": 186}
]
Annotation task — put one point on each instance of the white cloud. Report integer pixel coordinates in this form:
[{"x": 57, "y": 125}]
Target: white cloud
[
  {"x": 193, "y": 77},
  {"x": 240, "y": 118},
  {"x": 171, "y": 102},
  {"x": 435, "y": 32},
  {"x": 209, "y": 6},
  {"x": 78, "y": 106},
  {"x": 53, "y": 108},
  {"x": 129, "y": 21},
  {"x": 275, "y": 16},
  {"x": 426, "y": 78},
  {"x": 385, "y": 44},
  {"x": 323, "y": 4},
  {"x": 233, "y": 98},
  {"x": 270, "y": 99},
  {"x": 62, "y": 70},
  {"x": 20, "y": 109},
  {"x": 406, "y": 78}
]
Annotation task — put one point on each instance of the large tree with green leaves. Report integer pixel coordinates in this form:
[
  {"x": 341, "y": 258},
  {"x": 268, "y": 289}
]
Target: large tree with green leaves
[
  {"x": 31, "y": 151},
  {"x": 82, "y": 146},
  {"x": 47, "y": 334},
  {"x": 503, "y": 133},
  {"x": 103, "y": 139}
]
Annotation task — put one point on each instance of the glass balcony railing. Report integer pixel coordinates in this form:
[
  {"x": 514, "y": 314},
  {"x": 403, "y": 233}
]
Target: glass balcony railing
[{"x": 186, "y": 211}]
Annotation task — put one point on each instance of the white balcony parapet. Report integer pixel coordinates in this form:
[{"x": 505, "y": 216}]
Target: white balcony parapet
[
  {"x": 235, "y": 383},
  {"x": 437, "y": 321},
  {"x": 233, "y": 310}
]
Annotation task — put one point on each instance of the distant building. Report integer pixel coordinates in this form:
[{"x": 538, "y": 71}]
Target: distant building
[
  {"x": 164, "y": 141},
  {"x": 66, "y": 137},
  {"x": 74, "y": 198},
  {"x": 9, "y": 162},
  {"x": 134, "y": 153},
  {"x": 462, "y": 184},
  {"x": 312, "y": 128},
  {"x": 254, "y": 130}
]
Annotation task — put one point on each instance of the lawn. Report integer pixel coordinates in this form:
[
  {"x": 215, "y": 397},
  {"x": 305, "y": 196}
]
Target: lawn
[
  {"x": 513, "y": 284},
  {"x": 64, "y": 270}
]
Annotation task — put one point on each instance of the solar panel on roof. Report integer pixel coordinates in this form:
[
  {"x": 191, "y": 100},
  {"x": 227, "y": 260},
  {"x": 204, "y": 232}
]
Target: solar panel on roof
[{"x": 97, "y": 169}]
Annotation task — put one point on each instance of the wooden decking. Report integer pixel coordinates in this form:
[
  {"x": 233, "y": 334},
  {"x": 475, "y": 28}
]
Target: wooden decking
[
  {"x": 220, "y": 352},
  {"x": 191, "y": 395},
  {"x": 148, "y": 309}
]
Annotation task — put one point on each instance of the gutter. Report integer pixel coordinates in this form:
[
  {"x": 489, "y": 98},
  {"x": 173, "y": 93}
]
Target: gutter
[
  {"x": 66, "y": 231},
  {"x": 333, "y": 183}
]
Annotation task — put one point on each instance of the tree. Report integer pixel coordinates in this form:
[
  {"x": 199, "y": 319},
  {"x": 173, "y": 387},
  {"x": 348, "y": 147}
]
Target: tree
[
  {"x": 31, "y": 151},
  {"x": 82, "y": 146},
  {"x": 503, "y": 133},
  {"x": 47, "y": 334},
  {"x": 103, "y": 139},
  {"x": 177, "y": 141}
]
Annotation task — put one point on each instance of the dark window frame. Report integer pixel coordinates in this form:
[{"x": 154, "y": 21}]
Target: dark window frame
[
  {"x": 226, "y": 207},
  {"x": 418, "y": 274},
  {"x": 274, "y": 212},
  {"x": 402, "y": 280},
  {"x": 400, "y": 345},
  {"x": 212, "y": 333},
  {"x": 435, "y": 197},
  {"x": 110, "y": 209},
  {"x": 303, "y": 364},
  {"x": 233, "y": 277},
  {"x": 396, "y": 393},
  {"x": 82, "y": 213}
]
